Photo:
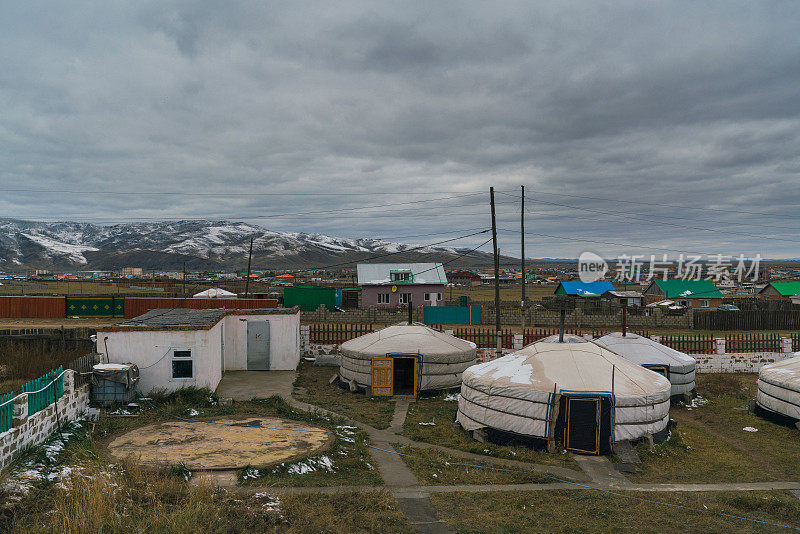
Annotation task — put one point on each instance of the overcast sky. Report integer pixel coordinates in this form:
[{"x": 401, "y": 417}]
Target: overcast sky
[{"x": 667, "y": 106}]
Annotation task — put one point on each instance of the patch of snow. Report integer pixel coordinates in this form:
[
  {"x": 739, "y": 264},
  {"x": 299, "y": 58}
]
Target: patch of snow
[
  {"x": 75, "y": 252},
  {"x": 432, "y": 423},
  {"x": 192, "y": 412},
  {"x": 450, "y": 397},
  {"x": 310, "y": 465},
  {"x": 251, "y": 473},
  {"x": 696, "y": 402},
  {"x": 750, "y": 429}
]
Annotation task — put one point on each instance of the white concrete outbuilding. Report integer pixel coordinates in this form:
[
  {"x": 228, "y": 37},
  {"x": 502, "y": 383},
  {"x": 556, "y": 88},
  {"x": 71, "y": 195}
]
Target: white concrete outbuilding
[
  {"x": 779, "y": 388},
  {"x": 404, "y": 359},
  {"x": 576, "y": 393},
  {"x": 677, "y": 366},
  {"x": 183, "y": 347}
]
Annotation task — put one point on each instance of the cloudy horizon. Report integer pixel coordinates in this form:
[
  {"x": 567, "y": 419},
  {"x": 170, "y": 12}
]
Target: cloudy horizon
[{"x": 635, "y": 128}]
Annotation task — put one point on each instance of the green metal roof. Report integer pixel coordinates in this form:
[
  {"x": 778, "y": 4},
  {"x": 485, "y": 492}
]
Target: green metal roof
[
  {"x": 786, "y": 288},
  {"x": 687, "y": 288}
]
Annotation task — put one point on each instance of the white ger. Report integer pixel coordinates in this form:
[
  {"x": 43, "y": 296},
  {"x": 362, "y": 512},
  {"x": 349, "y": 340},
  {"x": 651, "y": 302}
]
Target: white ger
[
  {"x": 678, "y": 367},
  {"x": 779, "y": 387},
  {"x": 404, "y": 359},
  {"x": 577, "y": 393}
]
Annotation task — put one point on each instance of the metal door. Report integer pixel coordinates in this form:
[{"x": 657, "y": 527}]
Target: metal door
[
  {"x": 582, "y": 429},
  {"x": 382, "y": 376},
  {"x": 257, "y": 345}
]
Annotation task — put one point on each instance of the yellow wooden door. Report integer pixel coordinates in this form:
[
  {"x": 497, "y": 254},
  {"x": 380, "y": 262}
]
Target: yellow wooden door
[{"x": 382, "y": 376}]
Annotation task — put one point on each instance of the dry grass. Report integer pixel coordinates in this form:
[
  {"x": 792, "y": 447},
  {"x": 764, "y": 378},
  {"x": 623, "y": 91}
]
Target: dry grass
[
  {"x": 312, "y": 387},
  {"x": 130, "y": 500},
  {"x": 442, "y": 413},
  {"x": 20, "y": 363},
  {"x": 435, "y": 468},
  {"x": 710, "y": 445},
  {"x": 587, "y": 512}
]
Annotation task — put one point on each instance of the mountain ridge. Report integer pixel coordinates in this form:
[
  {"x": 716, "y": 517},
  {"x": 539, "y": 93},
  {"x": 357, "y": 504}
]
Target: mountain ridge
[{"x": 202, "y": 244}]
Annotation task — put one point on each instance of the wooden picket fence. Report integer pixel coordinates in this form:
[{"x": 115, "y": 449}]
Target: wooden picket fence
[
  {"x": 83, "y": 368},
  {"x": 6, "y": 411},
  {"x": 690, "y": 344},
  {"x": 44, "y": 391},
  {"x": 753, "y": 342},
  {"x": 483, "y": 337},
  {"x": 337, "y": 333}
]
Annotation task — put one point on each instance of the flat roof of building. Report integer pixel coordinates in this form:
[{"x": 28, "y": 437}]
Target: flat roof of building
[{"x": 187, "y": 319}]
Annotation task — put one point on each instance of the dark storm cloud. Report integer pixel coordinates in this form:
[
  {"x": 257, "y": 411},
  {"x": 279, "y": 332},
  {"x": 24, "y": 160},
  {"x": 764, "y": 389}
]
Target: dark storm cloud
[{"x": 672, "y": 105}]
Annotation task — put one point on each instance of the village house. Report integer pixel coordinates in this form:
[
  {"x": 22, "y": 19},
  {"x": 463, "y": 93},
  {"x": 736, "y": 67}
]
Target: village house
[
  {"x": 584, "y": 289},
  {"x": 625, "y": 298},
  {"x": 780, "y": 291},
  {"x": 464, "y": 278},
  {"x": 697, "y": 294},
  {"x": 389, "y": 285},
  {"x": 176, "y": 348}
]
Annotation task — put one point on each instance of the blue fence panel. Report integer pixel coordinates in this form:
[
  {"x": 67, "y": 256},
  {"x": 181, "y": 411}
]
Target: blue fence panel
[
  {"x": 451, "y": 314},
  {"x": 44, "y": 391},
  {"x": 6, "y": 411}
]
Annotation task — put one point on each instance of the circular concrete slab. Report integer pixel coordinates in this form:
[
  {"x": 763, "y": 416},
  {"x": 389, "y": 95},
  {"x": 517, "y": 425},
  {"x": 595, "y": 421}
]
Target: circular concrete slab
[{"x": 200, "y": 445}]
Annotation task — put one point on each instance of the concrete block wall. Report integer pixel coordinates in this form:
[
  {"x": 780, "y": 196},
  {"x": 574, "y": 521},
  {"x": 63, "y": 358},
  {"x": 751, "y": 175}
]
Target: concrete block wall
[
  {"x": 33, "y": 430},
  {"x": 575, "y": 319}
]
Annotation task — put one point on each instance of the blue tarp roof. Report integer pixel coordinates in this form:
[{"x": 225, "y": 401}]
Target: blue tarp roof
[{"x": 583, "y": 288}]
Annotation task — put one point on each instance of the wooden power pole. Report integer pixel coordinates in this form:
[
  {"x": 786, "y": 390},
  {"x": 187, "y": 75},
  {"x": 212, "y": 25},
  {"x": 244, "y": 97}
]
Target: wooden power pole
[
  {"x": 522, "y": 246},
  {"x": 249, "y": 260},
  {"x": 496, "y": 277}
]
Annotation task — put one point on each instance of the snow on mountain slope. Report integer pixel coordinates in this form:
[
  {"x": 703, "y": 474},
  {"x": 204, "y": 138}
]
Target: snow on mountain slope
[{"x": 73, "y": 244}]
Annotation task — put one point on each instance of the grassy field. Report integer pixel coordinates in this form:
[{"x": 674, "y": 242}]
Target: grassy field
[
  {"x": 313, "y": 387},
  {"x": 710, "y": 445},
  {"x": 442, "y": 413},
  {"x": 19, "y": 364},
  {"x": 588, "y": 512},
  {"x": 435, "y": 468},
  {"x": 349, "y": 455},
  {"x": 133, "y": 501}
]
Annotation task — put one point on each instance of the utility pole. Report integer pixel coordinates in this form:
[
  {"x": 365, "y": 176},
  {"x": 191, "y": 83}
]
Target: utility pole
[
  {"x": 496, "y": 277},
  {"x": 522, "y": 238},
  {"x": 249, "y": 260}
]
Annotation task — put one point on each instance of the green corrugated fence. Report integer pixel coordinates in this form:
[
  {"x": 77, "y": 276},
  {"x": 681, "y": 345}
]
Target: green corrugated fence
[
  {"x": 51, "y": 385},
  {"x": 6, "y": 411}
]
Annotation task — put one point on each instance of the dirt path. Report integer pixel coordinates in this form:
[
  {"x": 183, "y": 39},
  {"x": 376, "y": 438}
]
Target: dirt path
[{"x": 414, "y": 499}]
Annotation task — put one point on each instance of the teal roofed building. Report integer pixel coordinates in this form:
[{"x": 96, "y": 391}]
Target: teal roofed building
[{"x": 691, "y": 293}]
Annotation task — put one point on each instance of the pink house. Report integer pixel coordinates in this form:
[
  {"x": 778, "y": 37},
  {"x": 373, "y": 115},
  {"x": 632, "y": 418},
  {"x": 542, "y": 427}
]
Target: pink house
[{"x": 388, "y": 285}]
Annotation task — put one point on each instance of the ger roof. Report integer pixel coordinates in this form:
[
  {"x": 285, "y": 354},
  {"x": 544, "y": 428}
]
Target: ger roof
[
  {"x": 784, "y": 288},
  {"x": 571, "y": 367},
  {"x": 688, "y": 288},
  {"x": 584, "y": 288},
  {"x": 645, "y": 351},
  {"x": 407, "y": 338},
  {"x": 380, "y": 273}
]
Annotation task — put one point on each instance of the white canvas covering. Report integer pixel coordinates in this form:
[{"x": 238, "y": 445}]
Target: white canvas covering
[
  {"x": 644, "y": 351},
  {"x": 779, "y": 387},
  {"x": 514, "y": 393},
  {"x": 444, "y": 357},
  {"x": 215, "y": 293}
]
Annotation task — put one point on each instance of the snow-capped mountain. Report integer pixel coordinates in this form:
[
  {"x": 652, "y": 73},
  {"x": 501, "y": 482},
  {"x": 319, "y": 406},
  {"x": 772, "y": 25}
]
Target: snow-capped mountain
[{"x": 201, "y": 243}]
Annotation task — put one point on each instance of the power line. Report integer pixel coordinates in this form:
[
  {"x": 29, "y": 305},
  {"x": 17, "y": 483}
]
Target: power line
[
  {"x": 387, "y": 254},
  {"x": 671, "y": 215},
  {"x": 665, "y": 205},
  {"x": 228, "y": 194},
  {"x": 663, "y": 222},
  {"x": 599, "y": 242}
]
